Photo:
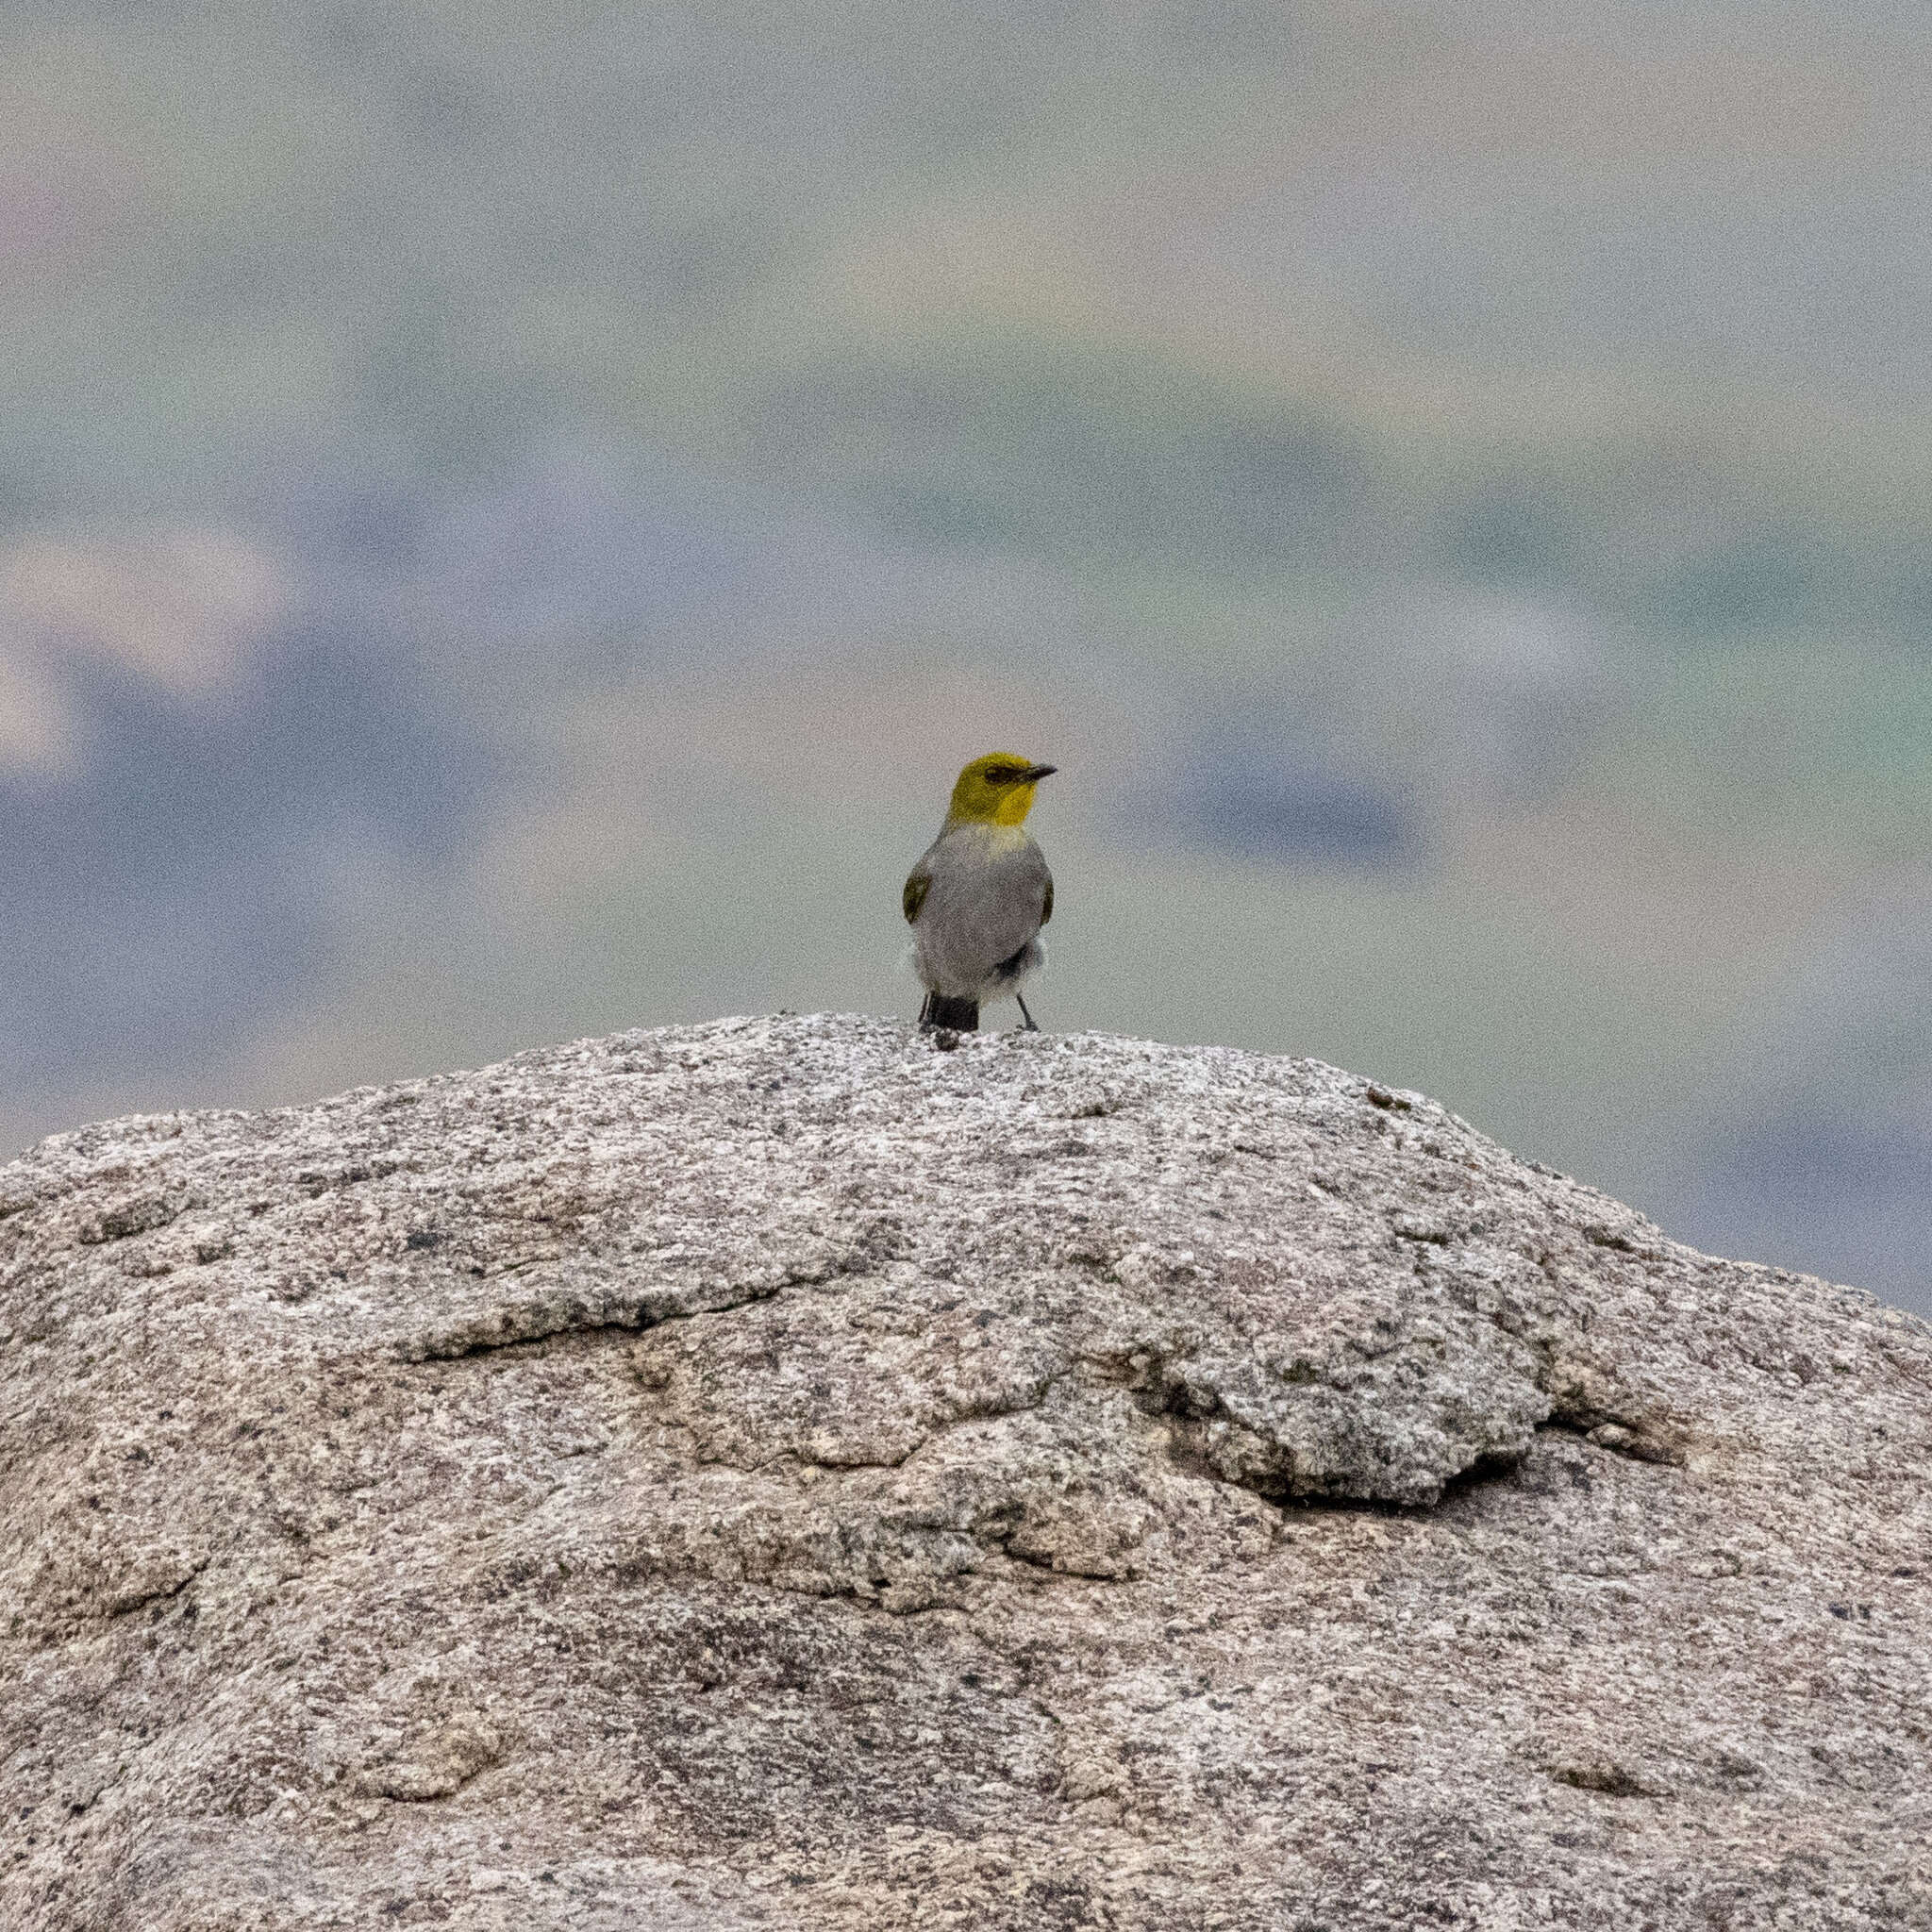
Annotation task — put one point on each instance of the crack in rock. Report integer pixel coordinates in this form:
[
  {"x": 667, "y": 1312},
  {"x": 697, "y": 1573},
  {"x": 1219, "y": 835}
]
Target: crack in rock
[{"x": 511, "y": 1324}]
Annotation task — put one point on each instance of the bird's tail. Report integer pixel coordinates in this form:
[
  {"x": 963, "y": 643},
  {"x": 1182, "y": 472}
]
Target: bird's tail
[{"x": 963, "y": 1016}]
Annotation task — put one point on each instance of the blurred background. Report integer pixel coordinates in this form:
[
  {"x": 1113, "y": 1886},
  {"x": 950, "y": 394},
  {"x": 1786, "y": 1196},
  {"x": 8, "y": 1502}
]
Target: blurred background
[{"x": 511, "y": 515}]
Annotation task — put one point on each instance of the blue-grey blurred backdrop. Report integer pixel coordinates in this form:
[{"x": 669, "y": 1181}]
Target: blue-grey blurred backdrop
[{"x": 511, "y": 514}]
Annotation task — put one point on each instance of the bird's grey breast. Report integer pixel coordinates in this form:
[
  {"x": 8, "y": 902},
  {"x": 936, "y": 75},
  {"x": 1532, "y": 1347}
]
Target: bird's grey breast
[{"x": 988, "y": 890}]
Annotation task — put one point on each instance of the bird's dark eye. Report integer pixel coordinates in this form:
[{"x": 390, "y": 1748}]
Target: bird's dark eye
[{"x": 1001, "y": 775}]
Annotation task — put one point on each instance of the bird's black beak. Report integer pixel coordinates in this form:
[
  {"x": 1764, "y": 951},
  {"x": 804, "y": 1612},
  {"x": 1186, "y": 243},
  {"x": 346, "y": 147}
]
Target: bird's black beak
[{"x": 1034, "y": 773}]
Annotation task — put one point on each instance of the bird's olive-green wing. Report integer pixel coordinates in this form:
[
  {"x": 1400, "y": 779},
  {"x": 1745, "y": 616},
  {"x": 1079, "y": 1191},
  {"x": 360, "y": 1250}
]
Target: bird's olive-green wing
[
  {"x": 1046, "y": 910},
  {"x": 917, "y": 884}
]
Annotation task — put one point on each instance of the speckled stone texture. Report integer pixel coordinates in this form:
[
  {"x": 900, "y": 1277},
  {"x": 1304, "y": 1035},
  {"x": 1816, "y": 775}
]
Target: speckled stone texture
[{"x": 792, "y": 1473}]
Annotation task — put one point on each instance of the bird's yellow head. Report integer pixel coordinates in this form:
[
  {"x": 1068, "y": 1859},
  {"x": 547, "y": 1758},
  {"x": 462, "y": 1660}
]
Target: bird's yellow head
[{"x": 996, "y": 790}]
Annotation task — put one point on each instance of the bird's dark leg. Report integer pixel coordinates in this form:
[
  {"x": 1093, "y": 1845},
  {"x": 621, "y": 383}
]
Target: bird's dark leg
[
  {"x": 1032, "y": 1026},
  {"x": 925, "y": 1010}
]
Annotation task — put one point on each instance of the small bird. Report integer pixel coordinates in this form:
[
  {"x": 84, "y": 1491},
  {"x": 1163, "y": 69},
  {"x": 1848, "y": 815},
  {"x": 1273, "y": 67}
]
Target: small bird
[{"x": 977, "y": 899}]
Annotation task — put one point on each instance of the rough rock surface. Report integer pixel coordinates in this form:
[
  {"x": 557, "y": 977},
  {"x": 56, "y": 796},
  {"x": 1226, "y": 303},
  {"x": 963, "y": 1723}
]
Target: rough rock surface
[{"x": 785, "y": 1474}]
